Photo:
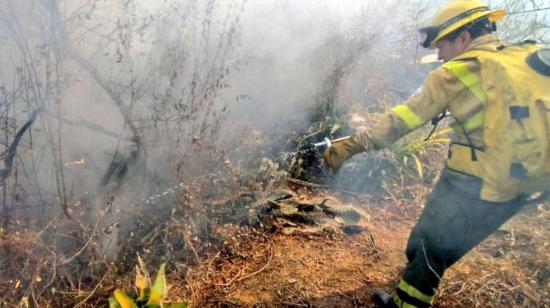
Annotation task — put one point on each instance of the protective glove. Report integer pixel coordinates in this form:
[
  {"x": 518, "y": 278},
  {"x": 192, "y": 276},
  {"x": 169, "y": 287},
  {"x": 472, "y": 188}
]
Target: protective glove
[{"x": 339, "y": 152}]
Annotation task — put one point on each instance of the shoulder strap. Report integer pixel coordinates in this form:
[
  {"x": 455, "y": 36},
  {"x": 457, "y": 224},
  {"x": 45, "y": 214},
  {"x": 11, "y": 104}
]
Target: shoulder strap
[
  {"x": 470, "y": 80},
  {"x": 459, "y": 67}
]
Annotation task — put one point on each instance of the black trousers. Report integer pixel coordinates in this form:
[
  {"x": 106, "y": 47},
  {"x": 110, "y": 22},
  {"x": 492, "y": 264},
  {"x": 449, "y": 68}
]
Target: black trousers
[{"x": 453, "y": 222}]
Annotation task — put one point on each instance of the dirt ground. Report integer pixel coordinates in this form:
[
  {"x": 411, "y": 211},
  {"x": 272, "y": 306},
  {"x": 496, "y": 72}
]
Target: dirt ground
[{"x": 510, "y": 269}]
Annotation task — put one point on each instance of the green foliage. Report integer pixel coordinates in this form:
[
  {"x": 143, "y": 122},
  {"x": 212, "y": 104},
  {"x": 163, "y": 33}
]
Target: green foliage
[
  {"x": 158, "y": 290},
  {"x": 411, "y": 149},
  {"x": 149, "y": 297}
]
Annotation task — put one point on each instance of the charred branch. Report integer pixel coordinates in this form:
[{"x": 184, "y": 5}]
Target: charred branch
[{"x": 12, "y": 149}]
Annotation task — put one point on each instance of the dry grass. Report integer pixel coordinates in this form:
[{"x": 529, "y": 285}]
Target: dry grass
[
  {"x": 278, "y": 270},
  {"x": 212, "y": 261}
]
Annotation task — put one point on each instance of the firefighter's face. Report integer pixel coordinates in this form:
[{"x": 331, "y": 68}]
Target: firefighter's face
[{"x": 449, "y": 49}]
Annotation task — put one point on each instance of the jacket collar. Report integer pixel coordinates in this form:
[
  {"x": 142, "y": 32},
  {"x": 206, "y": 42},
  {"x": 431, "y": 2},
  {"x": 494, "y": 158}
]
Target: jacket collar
[{"x": 486, "y": 42}]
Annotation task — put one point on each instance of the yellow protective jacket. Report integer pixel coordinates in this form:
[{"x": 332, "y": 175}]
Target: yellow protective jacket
[{"x": 443, "y": 91}]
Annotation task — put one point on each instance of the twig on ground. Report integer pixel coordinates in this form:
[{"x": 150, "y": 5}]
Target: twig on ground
[
  {"x": 344, "y": 295},
  {"x": 227, "y": 284},
  {"x": 305, "y": 184},
  {"x": 88, "y": 242},
  {"x": 190, "y": 248},
  {"x": 210, "y": 266},
  {"x": 262, "y": 269},
  {"x": 373, "y": 243},
  {"x": 93, "y": 291}
]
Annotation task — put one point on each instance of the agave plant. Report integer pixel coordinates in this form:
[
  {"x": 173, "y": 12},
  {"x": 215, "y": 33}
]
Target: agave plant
[{"x": 148, "y": 296}]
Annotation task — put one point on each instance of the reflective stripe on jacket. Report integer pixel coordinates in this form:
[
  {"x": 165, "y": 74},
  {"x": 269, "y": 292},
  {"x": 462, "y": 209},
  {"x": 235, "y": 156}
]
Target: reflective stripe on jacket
[{"x": 455, "y": 87}]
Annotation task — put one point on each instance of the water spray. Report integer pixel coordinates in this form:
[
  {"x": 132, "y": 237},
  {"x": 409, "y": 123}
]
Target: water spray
[{"x": 152, "y": 199}]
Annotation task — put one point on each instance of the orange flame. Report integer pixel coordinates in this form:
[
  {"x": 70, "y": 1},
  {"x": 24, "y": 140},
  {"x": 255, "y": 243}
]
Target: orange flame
[{"x": 75, "y": 163}]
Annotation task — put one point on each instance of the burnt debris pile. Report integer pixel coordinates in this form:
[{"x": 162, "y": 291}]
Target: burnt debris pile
[{"x": 286, "y": 212}]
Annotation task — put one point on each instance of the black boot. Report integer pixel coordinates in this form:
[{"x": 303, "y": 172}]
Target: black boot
[{"x": 382, "y": 299}]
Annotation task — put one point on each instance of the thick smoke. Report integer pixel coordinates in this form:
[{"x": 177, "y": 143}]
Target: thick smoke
[
  {"x": 128, "y": 89},
  {"x": 132, "y": 92}
]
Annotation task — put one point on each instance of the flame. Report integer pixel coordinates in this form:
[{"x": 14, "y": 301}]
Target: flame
[{"x": 76, "y": 162}]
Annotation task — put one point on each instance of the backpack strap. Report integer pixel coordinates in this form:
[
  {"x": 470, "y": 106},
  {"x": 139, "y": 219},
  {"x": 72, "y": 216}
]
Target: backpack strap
[
  {"x": 460, "y": 69},
  {"x": 435, "y": 121}
]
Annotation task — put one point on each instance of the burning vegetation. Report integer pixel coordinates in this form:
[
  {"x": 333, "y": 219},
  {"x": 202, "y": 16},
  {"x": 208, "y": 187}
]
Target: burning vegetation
[{"x": 178, "y": 137}]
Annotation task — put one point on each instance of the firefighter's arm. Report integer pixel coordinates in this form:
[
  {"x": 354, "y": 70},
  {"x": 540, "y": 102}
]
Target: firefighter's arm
[{"x": 439, "y": 89}]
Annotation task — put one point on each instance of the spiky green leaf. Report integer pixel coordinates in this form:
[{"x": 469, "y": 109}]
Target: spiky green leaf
[
  {"x": 113, "y": 302},
  {"x": 124, "y": 300},
  {"x": 158, "y": 290}
]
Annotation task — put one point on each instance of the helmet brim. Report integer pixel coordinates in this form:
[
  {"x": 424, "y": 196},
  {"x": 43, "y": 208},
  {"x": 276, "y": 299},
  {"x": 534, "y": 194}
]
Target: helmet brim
[
  {"x": 492, "y": 15},
  {"x": 427, "y": 35}
]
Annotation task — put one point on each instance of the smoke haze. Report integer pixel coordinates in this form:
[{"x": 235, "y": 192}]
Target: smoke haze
[{"x": 132, "y": 89}]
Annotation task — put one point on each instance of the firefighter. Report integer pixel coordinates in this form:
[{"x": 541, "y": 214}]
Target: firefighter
[{"x": 482, "y": 183}]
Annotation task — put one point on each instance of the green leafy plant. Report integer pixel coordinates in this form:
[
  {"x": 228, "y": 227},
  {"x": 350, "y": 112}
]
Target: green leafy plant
[
  {"x": 411, "y": 149},
  {"x": 148, "y": 296}
]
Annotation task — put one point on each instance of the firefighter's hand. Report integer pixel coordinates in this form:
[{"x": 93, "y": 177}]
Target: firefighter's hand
[{"x": 338, "y": 153}]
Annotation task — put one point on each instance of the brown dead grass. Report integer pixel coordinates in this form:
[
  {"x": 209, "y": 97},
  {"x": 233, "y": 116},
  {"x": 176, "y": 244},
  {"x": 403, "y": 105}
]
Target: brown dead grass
[{"x": 256, "y": 270}]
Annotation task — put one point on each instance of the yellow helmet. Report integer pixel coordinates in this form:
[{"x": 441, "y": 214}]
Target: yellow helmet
[{"x": 454, "y": 15}]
